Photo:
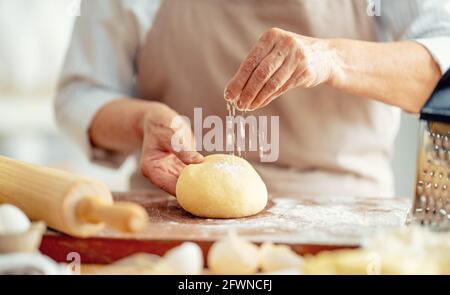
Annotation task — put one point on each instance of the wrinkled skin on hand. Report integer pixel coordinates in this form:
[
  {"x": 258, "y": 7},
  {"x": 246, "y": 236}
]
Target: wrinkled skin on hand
[
  {"x": 280, "y": 61},
  {"x": 159, "y": 162}
]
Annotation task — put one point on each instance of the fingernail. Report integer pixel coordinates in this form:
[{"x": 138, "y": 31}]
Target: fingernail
[
  {"x": 240, "y": 105},
  {"x": 227, "y": 95},
  {"x": 196, "y": 158}
]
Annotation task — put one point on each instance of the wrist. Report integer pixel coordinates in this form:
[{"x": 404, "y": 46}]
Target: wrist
[
  {"x": 336, "y": 64},
  {"x": 321, "y": 58},
  {"x": 152, "y": 114}
]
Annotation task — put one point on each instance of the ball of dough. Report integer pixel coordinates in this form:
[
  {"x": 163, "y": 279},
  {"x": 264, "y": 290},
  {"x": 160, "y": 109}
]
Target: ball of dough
[
  {"x": 278, "y": 257},
  {"x": 223, "y": 186},
  {"x": 13, "y": 220},
  {"x": 233, "y": 255}
]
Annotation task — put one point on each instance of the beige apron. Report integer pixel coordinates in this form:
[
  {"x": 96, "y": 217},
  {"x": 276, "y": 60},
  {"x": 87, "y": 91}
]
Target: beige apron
[{"x": 330, "y": 142}]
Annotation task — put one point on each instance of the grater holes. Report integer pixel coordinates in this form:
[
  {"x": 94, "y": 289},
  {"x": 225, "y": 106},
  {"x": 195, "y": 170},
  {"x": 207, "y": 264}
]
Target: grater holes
[
  {"x": 437, "y": 191},
  {"x": 420, "y": 187},
  {"x": 444, "y": 191},
  {"x": 432, "y": 201},
  {"x": 446, "y": 142},
  {"x": 423, "y": 201},
  {"x": 428, "y": 175},
  {"x": 433, "y": 155},
  {"x": 437, "y": 140}
]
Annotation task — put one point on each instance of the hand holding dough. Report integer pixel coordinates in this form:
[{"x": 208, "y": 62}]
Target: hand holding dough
[{"x": 222, "y": 186}]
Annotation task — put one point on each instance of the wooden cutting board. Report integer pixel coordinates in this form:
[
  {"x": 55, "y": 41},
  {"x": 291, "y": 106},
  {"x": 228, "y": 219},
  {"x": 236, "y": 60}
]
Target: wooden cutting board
[{"x": 307, "y": 224}]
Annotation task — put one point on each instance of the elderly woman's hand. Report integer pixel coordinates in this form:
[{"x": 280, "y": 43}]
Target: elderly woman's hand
[
  {"x": 161, "y": 162},
  {"x": 165, "y": 140},
  {"x": 278, "y": 62}
]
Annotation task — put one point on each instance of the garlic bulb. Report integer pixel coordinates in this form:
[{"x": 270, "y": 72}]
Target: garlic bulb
[
  {"x": 233, "y": 255},
  {"x": 13, "y": 220},
  {"x": 278, "y": 257},
  {"x": 186, "y": 259}
]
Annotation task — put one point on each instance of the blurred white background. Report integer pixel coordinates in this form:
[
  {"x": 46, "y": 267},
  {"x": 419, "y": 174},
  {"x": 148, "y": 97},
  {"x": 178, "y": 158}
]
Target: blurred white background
[{"x": 34, "y": 35}]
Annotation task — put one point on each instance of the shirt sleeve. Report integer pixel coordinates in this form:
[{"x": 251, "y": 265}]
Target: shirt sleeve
[
  {"x": 99, "y": 67},
  {"x": 424, "y": 21}
]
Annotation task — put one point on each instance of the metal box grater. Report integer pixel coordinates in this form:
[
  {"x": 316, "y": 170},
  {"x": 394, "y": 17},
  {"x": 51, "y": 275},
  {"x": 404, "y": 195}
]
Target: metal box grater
[{"x": 432, "y": 196}]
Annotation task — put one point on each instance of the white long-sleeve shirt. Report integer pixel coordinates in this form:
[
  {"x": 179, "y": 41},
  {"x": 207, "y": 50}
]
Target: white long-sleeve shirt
[{"x": 101, "y": 61}]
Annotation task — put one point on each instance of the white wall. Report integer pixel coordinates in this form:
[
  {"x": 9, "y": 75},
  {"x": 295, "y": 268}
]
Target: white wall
[
  {"x": 33, "y": 38},
  {"x": 404, "y": 162},
  {"x": 34, "y": 35}
]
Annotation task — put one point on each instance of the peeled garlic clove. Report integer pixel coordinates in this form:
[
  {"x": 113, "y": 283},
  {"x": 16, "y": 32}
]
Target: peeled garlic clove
[
  {"x": 13, "y": 220},
  {"x": 233, "y": 255},
  {"x": 138, "y": 260},
  {"x": 186, "y": 259},
  {"x": 278, "y": 257}
]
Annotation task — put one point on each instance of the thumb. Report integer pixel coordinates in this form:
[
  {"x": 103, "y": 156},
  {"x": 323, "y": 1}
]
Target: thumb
[
  {"x": 189, "y": 157},
  {"x": 186, "y": 154},
  {"x": 182, "y": 144}
]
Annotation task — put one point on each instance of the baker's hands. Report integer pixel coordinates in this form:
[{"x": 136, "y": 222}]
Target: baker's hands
[
  {"x": 280, "y": 61},
  {"x": 160, "y": 162}
]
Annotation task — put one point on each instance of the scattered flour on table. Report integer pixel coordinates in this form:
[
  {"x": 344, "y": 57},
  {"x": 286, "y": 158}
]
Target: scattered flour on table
[
  {"x": 333, "y": 221},
  {"x": 289, "y": 220}
]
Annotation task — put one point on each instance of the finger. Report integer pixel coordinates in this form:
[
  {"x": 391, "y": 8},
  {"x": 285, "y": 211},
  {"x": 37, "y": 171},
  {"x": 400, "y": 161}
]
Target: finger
[
  {"x": 262, "y": 48},
  {"x": 290, "y": 83},
  {"x": 260, "y": 76},
  {"x": 189, "y": 157},
  {"x": 162, "y": 169},
  {"x": 275, "y": 83},
  {"x": 186, "y": 152},
  {"x": 166, "y": 182},
  {"x": 185, "y": 146}
]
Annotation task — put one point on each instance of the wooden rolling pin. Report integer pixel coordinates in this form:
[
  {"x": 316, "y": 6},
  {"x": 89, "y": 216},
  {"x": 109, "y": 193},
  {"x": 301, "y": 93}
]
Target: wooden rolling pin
[{"x": 71, "y": 204}]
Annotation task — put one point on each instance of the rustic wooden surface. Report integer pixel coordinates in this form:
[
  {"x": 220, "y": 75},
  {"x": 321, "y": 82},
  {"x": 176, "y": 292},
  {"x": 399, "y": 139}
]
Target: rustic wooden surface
[{"x": 309, "y": 225}]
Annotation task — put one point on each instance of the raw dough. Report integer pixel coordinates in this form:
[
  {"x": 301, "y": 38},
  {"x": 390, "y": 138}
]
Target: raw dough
[
  {"x": 223, "y": 186},
  {"x": 233, "y": 255}
]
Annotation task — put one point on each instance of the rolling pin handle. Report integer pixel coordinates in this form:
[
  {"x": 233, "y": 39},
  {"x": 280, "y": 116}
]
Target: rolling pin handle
[{"x": 123, "y": 216}]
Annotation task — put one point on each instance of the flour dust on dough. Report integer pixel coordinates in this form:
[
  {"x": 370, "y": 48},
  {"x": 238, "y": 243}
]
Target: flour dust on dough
[{"x": 223, "y": 186}]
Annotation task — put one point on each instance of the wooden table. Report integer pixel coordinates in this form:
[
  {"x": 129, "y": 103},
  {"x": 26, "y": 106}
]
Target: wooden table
[{"x": 308, "y": 225}]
